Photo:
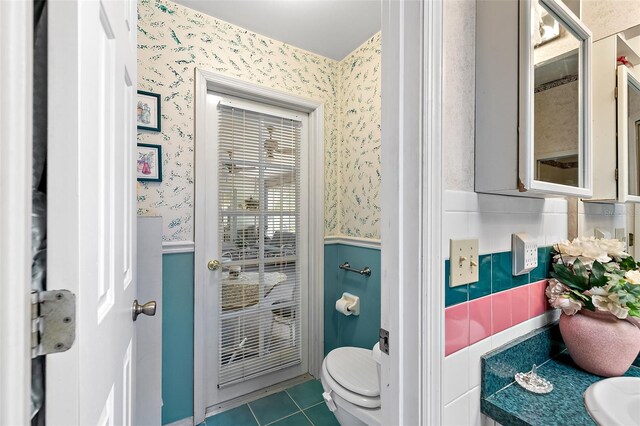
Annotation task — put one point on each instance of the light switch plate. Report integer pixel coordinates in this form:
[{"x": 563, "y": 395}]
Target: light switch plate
[
  {"x": 463, "y": 257},
  {"x": 524, "y": 254}
]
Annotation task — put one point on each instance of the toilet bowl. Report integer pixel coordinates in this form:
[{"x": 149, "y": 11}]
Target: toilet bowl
[{"x": 351, "y": 381}]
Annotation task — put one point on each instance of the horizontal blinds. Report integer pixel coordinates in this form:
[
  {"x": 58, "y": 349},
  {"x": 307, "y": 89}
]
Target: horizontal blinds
[{"x": 258, "y": 218}]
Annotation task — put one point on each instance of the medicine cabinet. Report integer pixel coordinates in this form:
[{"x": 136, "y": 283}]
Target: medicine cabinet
[
  {"x": 533, "y": 99},
  {"x": 616, "y": 120}
]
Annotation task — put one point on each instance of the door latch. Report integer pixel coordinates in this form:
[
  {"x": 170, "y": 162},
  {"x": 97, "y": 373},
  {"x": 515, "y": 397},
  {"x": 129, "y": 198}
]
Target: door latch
[
  {"x": 384, "y": 341},
  {"x": 53, "y": 321}
]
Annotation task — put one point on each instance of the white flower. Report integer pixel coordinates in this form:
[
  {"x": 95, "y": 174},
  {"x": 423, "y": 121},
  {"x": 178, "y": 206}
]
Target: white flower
[
  {"x": 607, "y": 302},
  {"x": 593, "y": 250},
  {"x": 558, "y": 295},
  {"x": 555, "y": 289},
  {"x": 615, "y": 248},
  {"x": 568, "y": 305},
  {"x": 569, "y": 248},
  {"x": 633, "y": 277}
]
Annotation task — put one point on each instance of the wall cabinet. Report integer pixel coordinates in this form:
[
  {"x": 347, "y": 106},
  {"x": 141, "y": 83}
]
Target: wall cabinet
[
  {"x": 616, "y": 120},
  {"x": 533, "y": 99}
]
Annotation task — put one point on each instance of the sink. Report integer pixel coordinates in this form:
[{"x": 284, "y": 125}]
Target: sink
[{"x": 614, "y": 401}]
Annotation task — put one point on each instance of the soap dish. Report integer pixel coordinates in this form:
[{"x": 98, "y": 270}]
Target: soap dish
[{"x": 532, "y": 382}]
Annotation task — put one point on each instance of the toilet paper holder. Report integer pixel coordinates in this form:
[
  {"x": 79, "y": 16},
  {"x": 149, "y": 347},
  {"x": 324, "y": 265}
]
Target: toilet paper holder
[{"x": 348, "y": 304}]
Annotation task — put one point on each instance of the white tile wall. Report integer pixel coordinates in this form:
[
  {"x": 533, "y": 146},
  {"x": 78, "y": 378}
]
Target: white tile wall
[
  {"x": 605, "y": 217},
  {"x": 493, "y": 218},
  {"x": 461, "y": 381}
]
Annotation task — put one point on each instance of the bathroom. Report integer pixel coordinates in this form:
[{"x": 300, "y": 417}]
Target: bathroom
[
  {"x": 396, "y": 218},
  {"x": 474, "y": 321},
  {"x": 173, "y": 40}
]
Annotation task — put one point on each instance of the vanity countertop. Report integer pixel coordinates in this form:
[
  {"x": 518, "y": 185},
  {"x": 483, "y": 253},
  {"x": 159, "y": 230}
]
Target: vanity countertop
[{"x": 513, "y": 405}]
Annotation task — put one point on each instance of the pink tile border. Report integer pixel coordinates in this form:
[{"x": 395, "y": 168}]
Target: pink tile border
[
  {"x": 479, "y": 319},
  {"x": 468, "y": 323},
  {"x": 520, "y": 305},
  {"x": 456, "y": 320},
  {"x": 537, "y": 299}
]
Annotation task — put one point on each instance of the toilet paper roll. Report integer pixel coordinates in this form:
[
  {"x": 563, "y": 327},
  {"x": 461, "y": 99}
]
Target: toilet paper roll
[{"x": 342, "y": 305}]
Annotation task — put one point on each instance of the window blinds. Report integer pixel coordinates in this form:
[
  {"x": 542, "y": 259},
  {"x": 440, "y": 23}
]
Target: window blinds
[{"x": 258, "y": 224}]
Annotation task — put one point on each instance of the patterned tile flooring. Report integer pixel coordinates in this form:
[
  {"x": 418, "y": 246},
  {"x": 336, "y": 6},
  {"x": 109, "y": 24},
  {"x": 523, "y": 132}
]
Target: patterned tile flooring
[{"x": 300, "y": 405}]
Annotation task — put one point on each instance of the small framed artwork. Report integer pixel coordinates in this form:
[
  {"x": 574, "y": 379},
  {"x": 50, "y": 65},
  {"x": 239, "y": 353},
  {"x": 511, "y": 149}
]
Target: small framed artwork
[
  {"x": 148, "y": 111},
  {"x": 149, "y": 162}
]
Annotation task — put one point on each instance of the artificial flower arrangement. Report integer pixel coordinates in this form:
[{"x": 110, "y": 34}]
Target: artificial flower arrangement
[{"x": 597, "y": 275}]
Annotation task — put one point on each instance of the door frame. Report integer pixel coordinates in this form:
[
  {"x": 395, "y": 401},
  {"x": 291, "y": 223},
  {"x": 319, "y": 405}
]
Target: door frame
[
  {"x": 207, "y": 81},
  {"x": 412, "y": 267},
  {"x": 16, "y": 146}
]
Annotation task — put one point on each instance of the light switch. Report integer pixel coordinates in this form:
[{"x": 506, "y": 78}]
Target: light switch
[
  {"x": 463, "y": 257},
  {"x": 524, "y": 254}
]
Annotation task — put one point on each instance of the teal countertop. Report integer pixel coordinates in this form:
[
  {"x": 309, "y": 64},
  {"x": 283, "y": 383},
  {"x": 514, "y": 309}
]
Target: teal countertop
[{"x": 509, "y": 404}]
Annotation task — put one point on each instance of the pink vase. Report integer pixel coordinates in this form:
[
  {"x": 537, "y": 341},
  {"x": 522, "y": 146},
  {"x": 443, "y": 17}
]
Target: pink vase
[{"x": 599, "y": 342}]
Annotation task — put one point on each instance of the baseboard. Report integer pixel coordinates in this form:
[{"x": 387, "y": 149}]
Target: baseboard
[{"x": 184, "y": 422}]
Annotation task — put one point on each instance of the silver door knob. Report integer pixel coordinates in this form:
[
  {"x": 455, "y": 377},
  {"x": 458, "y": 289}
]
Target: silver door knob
[
  {"x": 213, "y": 265},
  {"x": 148, "y": 308}
]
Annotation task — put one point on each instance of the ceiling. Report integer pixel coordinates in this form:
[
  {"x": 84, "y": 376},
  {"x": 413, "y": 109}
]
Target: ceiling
[{"x": 331, "y": 28}]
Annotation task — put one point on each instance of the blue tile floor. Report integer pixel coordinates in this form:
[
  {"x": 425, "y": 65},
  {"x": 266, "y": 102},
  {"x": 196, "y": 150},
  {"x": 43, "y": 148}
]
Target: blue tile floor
[{"x": 299, "y": 405}]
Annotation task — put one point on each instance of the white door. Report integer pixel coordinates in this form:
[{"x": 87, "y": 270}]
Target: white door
[
  {"x": 91, "y": 214},
  {"x": 256, "y": 226}
]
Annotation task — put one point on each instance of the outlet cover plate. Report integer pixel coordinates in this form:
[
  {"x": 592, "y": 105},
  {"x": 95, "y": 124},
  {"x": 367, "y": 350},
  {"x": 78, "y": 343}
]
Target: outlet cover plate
[
  {"x": 524, "y": 253},
  {"x": 463, "y": 257}
]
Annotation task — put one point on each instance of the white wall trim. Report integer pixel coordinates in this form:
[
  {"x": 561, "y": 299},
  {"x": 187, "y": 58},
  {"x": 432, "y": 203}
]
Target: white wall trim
[
  {"x": 172, "y": 247},
  {"x": 371, "y": 243},
  {"x": 187, "y": 421},
  {"x": 412, "y": 293},
  {"x": 16, "y": 97},
  {"x": 206, "y": 81}
]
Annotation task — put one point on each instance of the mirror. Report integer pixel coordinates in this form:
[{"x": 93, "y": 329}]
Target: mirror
[
  {"x": 558, "y": 74},
  {"x": 633, "y": 129}
]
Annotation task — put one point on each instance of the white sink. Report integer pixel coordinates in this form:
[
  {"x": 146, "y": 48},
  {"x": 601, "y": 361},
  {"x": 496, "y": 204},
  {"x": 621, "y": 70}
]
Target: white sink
[{"x": 615, "y": 401}]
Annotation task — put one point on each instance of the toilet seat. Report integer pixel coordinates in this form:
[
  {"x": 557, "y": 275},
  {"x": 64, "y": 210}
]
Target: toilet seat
[{"x": 352, "y": 374}]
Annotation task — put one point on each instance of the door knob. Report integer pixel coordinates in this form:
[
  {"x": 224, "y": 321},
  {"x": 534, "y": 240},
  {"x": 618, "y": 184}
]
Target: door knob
[
  {"x": 213, "y": 265},
  {"x": 148, "y": 308}
]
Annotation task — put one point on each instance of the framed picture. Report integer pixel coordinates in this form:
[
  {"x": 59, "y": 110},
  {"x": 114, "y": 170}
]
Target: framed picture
[
  {"x": 148, "y": 111},
  {"x": 149, "y": 162}
]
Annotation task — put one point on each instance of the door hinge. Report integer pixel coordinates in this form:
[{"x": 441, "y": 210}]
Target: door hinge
[
  {"x": 616, "y": 174},
  {"x": 53, "y": 321},
  {"x": 384, "y": 341},
  {"x": 632, "y": 239},
  {"x": 615, "y": 93}
]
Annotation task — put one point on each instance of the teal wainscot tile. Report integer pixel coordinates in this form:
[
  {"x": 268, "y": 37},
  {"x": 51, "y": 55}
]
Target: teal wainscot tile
[
  {"x": 453, "y": 295},
  {"x": 541, "y": 272},
  {"x": 501, "y": 277},
  {"x": 483, "y": 286}
]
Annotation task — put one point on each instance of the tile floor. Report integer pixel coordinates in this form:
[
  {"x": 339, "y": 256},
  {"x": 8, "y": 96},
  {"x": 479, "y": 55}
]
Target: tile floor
[{"x": 300, "y": 405}]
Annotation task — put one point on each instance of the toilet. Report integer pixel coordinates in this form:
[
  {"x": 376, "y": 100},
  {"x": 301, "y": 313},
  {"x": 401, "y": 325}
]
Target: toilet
[{"x": 351, "y": 381}]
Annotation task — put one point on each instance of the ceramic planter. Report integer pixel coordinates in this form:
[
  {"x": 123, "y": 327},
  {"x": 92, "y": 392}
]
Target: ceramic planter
[{"x": 600, "y": 343}]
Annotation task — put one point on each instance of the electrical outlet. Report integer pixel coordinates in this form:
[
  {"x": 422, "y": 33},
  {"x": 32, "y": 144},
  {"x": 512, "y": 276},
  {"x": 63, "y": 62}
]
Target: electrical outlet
[
  {"x": 463, "y": 258},
  {"x": 524, "y": 253}
]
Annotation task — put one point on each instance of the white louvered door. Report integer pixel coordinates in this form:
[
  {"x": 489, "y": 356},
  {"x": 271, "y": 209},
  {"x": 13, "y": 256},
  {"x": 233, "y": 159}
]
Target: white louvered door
[{"x": 256, "y": 218}]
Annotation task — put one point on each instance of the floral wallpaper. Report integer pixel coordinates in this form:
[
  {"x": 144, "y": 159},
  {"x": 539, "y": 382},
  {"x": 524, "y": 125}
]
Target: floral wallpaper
[
  {"x": 359, "y": 169},
  {"x": 173, "y": 40}
]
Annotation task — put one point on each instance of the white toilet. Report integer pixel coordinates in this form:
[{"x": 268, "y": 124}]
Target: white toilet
[{"x": 351, "y": 381}]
